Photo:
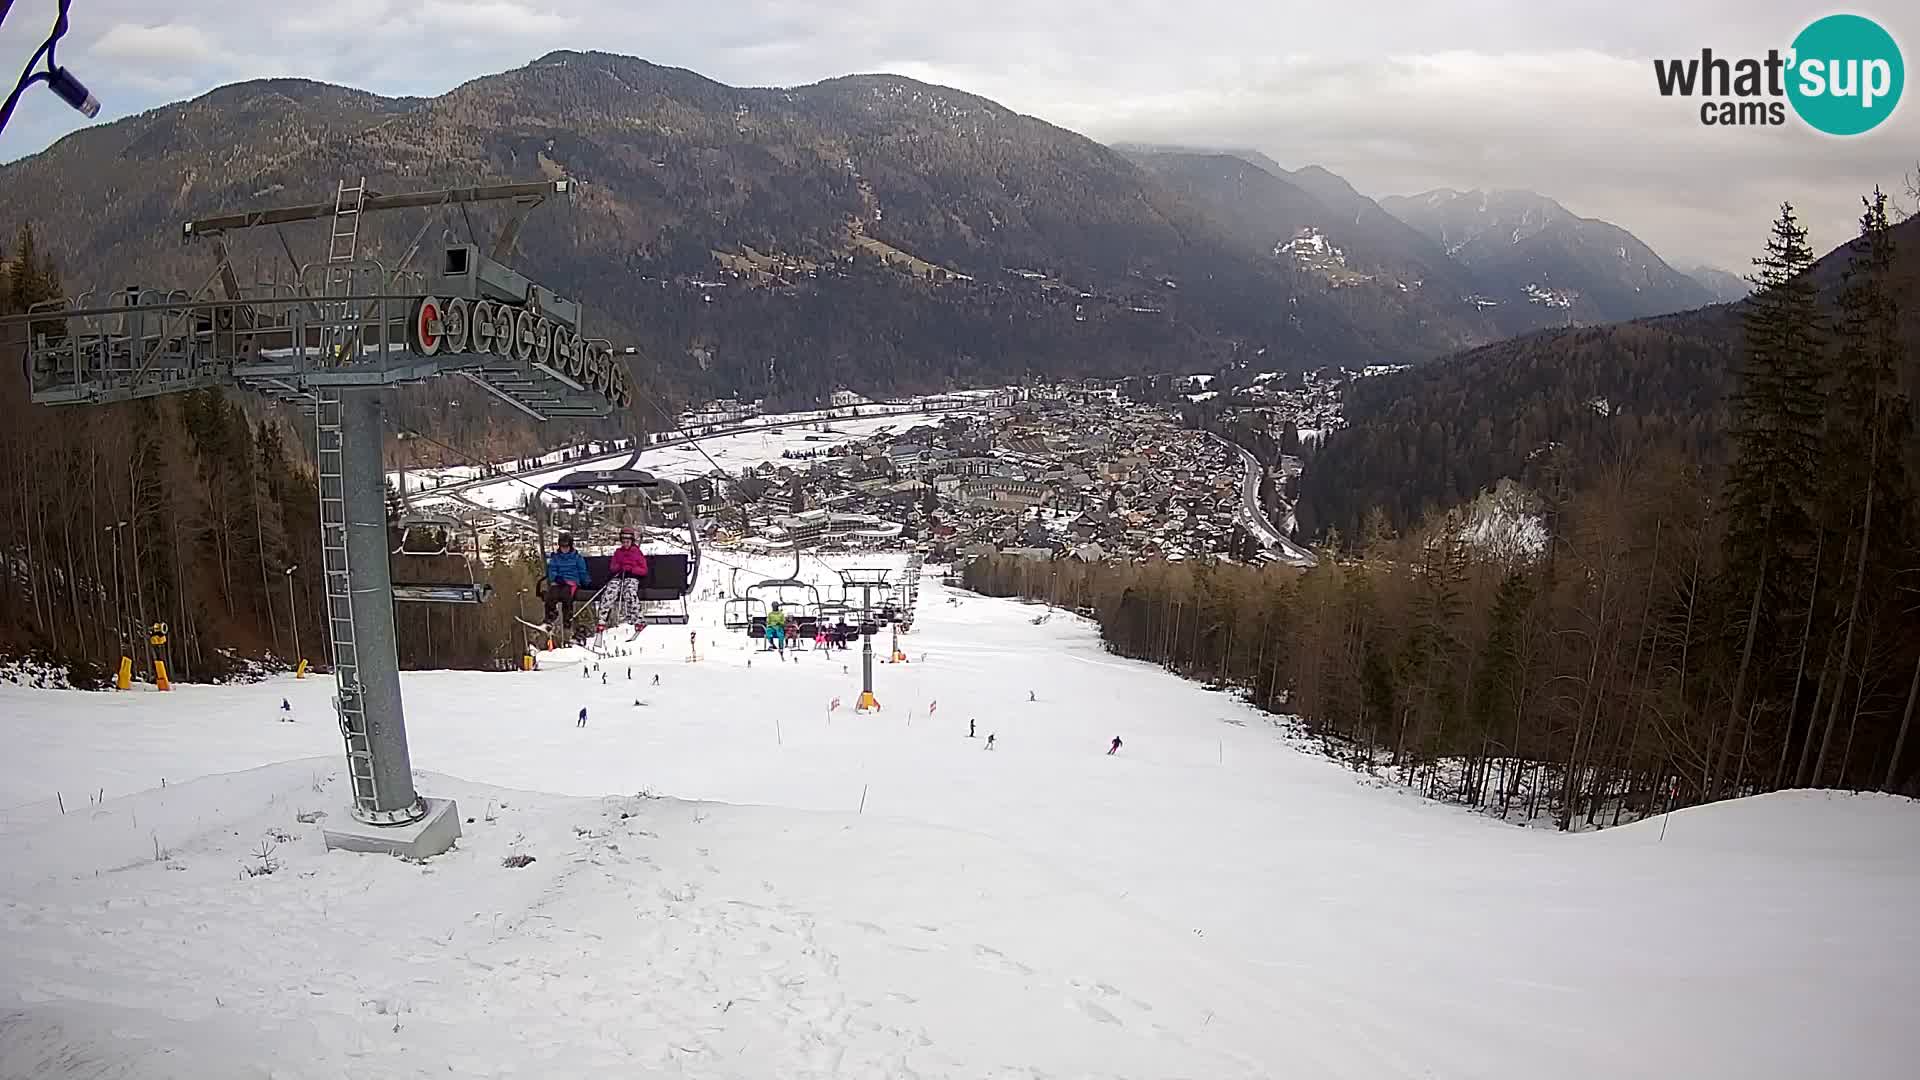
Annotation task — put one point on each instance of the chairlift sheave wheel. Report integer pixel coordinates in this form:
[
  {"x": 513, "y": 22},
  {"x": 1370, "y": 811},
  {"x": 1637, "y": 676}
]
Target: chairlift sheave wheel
[
  {"x": 456, "y": 325},
  {"x": 577, "y": 363},
  {"x": 483, "y": 326},
  {"x": 428, "y": 330},
  {"x": 544, "y": 332},
  {"x": 503, "y": 331},
  {"x": 523, "y": 335}
]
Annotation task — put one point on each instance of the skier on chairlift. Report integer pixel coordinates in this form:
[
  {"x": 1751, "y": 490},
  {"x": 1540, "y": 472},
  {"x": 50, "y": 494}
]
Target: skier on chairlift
[
  {"x": 566, "y": 573},
  {"x": 777, "y": 630},
  {"x": 628, "y": 573}
]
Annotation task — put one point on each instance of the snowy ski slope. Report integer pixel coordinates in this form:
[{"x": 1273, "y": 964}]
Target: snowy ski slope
[{"x": 1211, "y": 902}]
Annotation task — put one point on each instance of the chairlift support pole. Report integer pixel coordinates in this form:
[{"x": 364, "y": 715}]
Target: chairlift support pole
[
  {"x": 368, "y": 661},
  {"x": 866, "y": 580}
]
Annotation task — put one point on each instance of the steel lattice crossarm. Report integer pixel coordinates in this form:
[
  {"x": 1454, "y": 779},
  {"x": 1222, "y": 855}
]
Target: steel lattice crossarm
[
  {"x": 342, "y": 324},
  {"x": 527, "y": 196}
]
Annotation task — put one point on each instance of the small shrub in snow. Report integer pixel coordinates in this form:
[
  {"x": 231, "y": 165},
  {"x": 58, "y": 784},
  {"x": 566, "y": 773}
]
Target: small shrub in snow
[
  {"x": 264, "y": 863},
  {"x": 515, "y": 862},
  {"x": 308, "y": 817}
]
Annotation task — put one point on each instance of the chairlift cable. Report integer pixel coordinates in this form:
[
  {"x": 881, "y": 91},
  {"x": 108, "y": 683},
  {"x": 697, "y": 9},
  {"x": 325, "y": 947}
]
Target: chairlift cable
[
  {"x": 464, "y": 456},
  {"x": 689, "y": 436}
]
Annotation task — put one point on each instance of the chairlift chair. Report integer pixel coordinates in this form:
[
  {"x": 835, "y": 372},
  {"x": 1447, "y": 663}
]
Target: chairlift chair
[
  {"x": 671, "y": 576},
  {"x": 739, "y": 613},
  {"x": 794, "y": 597},
  {"x": 440, "y": 528},
  {"x": 470, "y": 591}
]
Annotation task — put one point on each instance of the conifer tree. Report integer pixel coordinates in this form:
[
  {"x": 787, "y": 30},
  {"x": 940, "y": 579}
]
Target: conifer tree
[
  {"x": 1778, "y": 414},
  {"x": 1864, "y": 474}
]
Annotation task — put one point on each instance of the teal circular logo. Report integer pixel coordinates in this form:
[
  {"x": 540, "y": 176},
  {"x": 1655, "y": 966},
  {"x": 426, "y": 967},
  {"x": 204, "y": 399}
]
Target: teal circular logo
[{"x": 1846, "y": 75}]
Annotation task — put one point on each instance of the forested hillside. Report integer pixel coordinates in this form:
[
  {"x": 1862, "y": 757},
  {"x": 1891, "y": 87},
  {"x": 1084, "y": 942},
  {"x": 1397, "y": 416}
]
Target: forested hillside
[
  {"x": 1726, "y": 595},
  {"x": 1698, "y": 625},
  {"x": 1551, "y": 408}
]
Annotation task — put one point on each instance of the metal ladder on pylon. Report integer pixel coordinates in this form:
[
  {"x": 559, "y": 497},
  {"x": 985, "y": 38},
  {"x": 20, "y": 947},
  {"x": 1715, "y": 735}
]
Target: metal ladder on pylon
[{"x": 337, "y": 335}]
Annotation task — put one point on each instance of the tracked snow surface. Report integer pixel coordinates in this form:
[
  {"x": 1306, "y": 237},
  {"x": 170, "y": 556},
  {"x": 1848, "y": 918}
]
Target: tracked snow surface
[{"x": 729, "y": 879}]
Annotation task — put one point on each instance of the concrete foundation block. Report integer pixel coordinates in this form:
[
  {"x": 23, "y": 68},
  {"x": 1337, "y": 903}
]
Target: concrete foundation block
[{"x": 422, "y": 839}]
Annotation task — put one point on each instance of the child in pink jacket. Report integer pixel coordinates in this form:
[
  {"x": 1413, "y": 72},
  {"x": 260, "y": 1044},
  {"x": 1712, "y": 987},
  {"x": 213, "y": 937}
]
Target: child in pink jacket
[{"x": 628, "y": 575}]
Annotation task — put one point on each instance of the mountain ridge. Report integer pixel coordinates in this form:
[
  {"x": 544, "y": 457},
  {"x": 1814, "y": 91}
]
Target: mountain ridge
[
  {"x": 866, "y": 230},
  {"x": 1560, "y": 275},
  {"x": 1520, "y": 239}
]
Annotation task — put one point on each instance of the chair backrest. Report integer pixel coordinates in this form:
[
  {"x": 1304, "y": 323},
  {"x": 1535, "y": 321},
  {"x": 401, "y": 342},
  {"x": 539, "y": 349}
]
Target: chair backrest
[
  {"x": 599, "y": 569},
  {"x": 667, "y": 571}
]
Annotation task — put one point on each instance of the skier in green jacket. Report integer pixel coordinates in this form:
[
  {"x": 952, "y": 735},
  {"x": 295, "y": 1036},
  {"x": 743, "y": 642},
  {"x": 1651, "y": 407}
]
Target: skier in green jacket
[{"x": 777, "y": 629}]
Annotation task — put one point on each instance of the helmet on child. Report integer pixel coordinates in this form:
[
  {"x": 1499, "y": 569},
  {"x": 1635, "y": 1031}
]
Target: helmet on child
[
  {"x": 626, "y": 533},
  {"x": 566, "y": 540}
]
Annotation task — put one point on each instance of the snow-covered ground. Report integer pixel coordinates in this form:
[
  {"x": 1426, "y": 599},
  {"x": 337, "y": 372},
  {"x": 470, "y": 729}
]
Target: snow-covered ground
[
  {"x": 810, "y": 893},
  {"x": 686, "y": 460}
]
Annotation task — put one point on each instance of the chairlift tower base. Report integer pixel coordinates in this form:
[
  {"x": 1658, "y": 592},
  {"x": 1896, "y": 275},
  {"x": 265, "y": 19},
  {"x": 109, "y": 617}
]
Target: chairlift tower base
[{"x": 423, "y": 838}]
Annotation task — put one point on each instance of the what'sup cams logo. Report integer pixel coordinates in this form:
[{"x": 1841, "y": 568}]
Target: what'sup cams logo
[{"x": 1843, "y": 76}]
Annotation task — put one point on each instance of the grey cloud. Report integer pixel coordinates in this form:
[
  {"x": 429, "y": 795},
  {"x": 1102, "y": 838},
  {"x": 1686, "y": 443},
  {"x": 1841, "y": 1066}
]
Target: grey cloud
[{"x": 1398, "y": 96}]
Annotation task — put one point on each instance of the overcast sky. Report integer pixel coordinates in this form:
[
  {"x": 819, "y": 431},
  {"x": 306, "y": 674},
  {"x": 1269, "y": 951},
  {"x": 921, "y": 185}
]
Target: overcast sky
[{"x": 1398, "y": 96}]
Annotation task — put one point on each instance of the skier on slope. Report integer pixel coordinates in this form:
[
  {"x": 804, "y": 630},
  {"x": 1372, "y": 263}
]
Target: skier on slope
[
  {"x": 1115, "y": 748},
  {"x": 627, "y": 576},
  {"x": 566, "y": 573}
]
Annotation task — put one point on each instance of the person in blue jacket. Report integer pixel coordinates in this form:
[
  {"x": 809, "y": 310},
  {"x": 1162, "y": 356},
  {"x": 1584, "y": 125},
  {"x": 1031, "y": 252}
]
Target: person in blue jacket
[{"x": 566, "y": 573}]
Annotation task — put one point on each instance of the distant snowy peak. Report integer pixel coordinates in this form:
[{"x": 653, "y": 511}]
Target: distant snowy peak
[
  {"x": 1473, "y": 224},
  {"x": 1465, "y": 221},
  {"x": 1525, "y": 248},
  {"x": 1726, "y": 287}
]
